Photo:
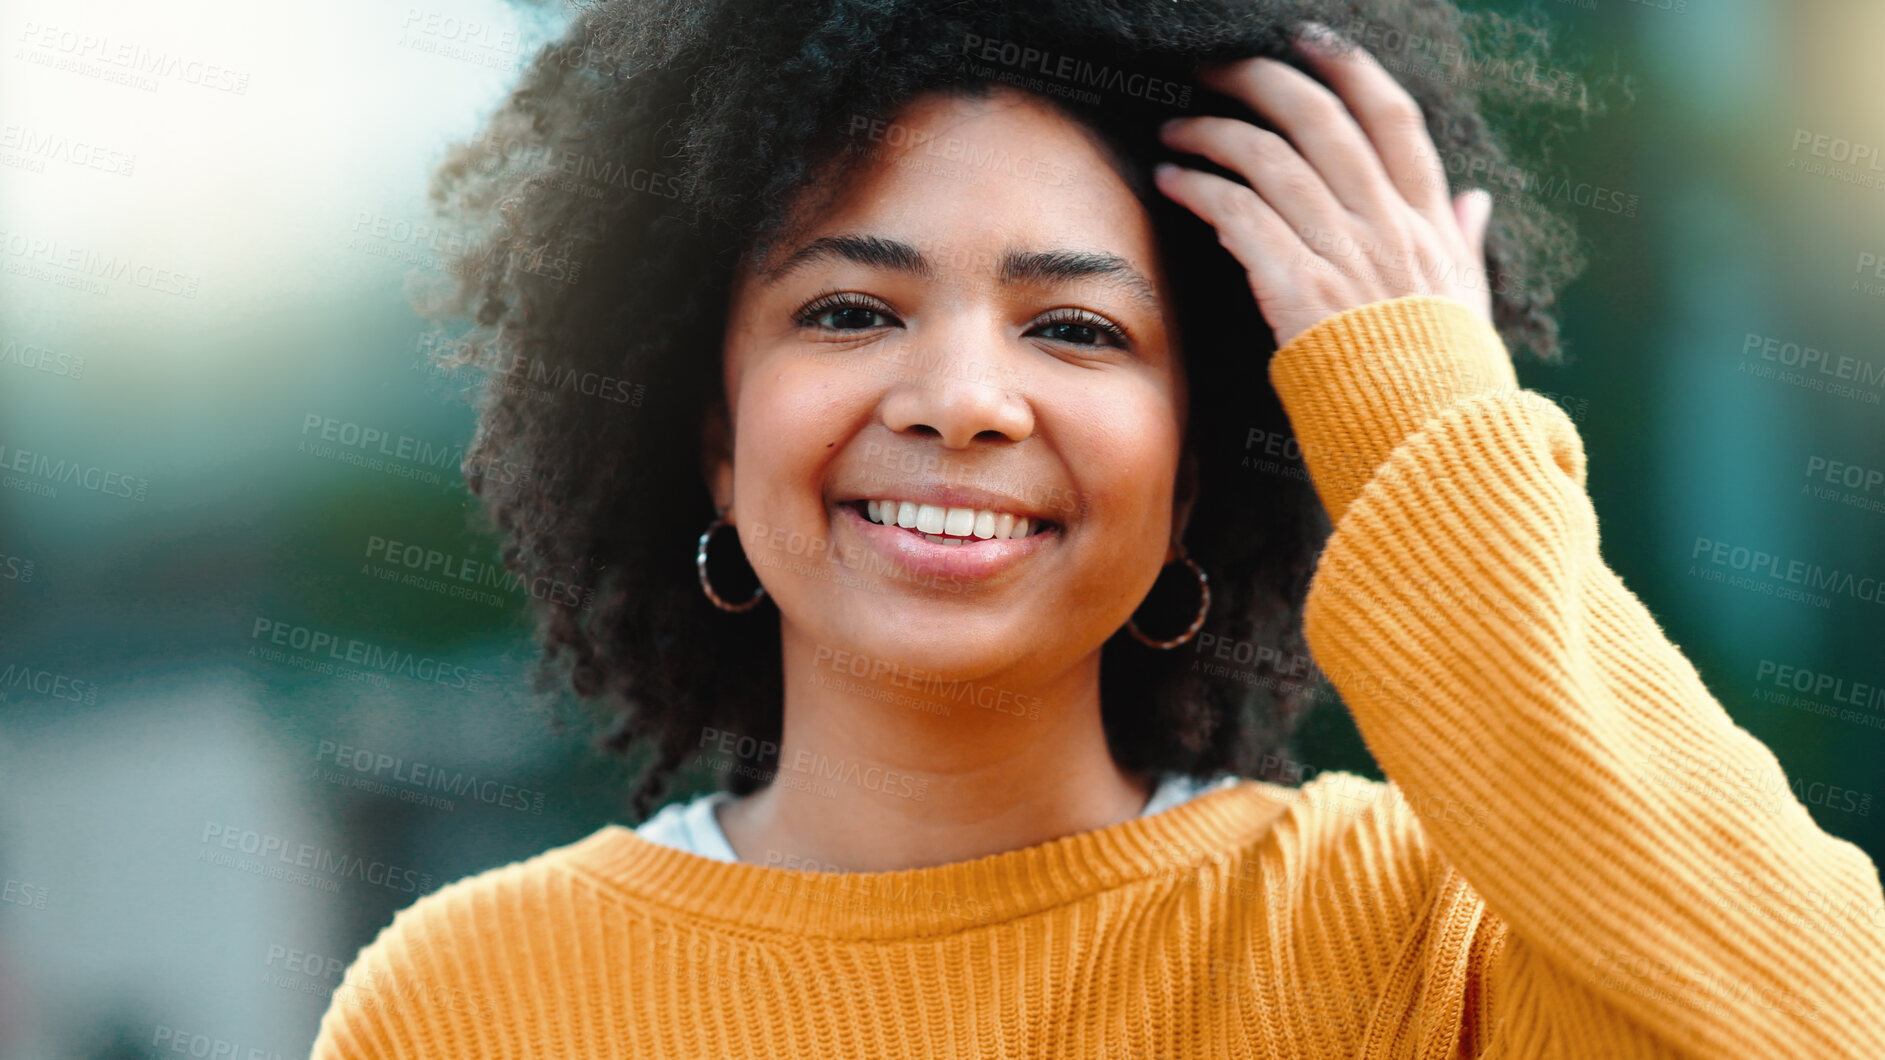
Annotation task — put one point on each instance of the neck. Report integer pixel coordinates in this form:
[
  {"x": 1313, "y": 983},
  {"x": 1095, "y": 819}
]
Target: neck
[{"x": 885, "y": 768}]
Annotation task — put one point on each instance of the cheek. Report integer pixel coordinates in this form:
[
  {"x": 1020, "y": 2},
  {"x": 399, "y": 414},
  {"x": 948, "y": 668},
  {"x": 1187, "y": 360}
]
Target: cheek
[
  {"x": 1124, "y": 462},
  {"x": 1128, "y": 461},
  {"x": 791, "y": 420}
]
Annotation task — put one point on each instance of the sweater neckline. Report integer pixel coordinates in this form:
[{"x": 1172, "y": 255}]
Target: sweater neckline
[
  {"x": 939, "y": 899},
  {"x": 694, "y": 825}
]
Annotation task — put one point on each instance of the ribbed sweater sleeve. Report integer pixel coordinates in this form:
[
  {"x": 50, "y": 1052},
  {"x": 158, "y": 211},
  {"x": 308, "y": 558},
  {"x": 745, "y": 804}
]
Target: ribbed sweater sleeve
[{"x": 1661, "y": 891}]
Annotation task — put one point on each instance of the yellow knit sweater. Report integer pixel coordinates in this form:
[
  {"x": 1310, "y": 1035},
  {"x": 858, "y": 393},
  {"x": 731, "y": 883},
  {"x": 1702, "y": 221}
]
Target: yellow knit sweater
[{"x": 1577, "y": 856}]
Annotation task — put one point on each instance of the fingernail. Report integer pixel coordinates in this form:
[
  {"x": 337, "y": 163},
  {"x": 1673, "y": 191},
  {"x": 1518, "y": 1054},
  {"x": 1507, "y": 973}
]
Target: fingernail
[
  {"x": 1170, "y": 126},
  {"x": 1163, "y": 170},
  {"x": 1316, "y": 36}
]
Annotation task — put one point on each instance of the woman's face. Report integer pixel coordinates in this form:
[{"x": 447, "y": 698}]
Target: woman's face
[{"x": 973, "y": 332}]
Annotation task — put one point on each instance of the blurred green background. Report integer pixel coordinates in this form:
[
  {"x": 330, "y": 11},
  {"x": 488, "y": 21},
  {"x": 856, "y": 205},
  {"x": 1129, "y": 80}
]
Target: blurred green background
[{"x": 203, "y": 279}]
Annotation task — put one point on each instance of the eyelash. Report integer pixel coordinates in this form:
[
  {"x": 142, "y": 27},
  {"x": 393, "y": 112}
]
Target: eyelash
[
  {"x": 1084, "y": 318},
  {"x": 825, "y": 303}
]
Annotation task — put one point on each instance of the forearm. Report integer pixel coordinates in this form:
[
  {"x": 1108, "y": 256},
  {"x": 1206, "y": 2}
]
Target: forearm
[{"x": 1489, "y": 656}]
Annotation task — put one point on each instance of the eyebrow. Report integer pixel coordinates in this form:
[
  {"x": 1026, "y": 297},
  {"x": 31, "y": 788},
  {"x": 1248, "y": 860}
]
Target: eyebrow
[
  {"x": 1049, "y": 266},
  {"x": 1017, "y": 266},
  {"x": 871, "y": 251}
]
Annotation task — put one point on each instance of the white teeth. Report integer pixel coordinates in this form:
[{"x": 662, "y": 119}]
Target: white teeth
[{"x": 959, "y": 525}]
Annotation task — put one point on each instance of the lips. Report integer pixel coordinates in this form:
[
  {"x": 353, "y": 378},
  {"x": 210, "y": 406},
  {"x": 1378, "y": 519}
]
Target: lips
[
  {"x": 947, "y": 525},
  {"x": 938, "y": 564}
]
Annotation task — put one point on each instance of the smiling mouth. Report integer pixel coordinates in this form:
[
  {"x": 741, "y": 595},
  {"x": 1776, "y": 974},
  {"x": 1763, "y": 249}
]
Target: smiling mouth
[{"x": 951, "y": 526}]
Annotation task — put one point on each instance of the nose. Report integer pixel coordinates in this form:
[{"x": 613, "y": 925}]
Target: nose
[{"x": 958, "y": 399}]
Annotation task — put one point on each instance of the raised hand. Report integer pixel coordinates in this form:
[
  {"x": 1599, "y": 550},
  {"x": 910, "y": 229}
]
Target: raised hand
[{"x": 1347, "y": 206}]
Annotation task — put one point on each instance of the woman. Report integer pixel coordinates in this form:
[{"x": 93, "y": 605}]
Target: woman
[{"x": 970, "y": 379}]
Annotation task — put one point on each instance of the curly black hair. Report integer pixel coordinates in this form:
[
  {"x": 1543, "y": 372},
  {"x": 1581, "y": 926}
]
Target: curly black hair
[{"x": 643, "y": 154}]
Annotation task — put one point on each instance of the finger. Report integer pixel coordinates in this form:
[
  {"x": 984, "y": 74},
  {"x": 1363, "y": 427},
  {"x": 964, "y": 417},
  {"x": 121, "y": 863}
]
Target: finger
[
  {"x": 1287, "y": 183},
  {"x": 1318, "y": 124},
  {"x": 1260, "y": 240},
  {"x": 1387, "y": 113},
  {"x": 1473, "y": 210}
]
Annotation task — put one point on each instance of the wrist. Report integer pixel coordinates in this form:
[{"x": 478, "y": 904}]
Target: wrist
[{"x": 1356, "y": 384}]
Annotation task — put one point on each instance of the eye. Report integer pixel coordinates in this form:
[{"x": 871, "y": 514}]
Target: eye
[
  {"x": 852, "y": 317},
  {"x": 1080, "y": 328},
  {"x": 845, "y": 311}
]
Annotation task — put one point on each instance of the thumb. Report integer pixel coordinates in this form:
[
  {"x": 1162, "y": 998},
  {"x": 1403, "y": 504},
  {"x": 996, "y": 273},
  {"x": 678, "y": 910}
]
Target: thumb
[{"x": 1473, "y": 209}]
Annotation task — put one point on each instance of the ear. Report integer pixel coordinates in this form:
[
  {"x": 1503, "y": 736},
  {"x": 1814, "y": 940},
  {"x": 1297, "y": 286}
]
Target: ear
[
  {"x": 716, "y": 454},
  {"x": 1184, "y": 496}
]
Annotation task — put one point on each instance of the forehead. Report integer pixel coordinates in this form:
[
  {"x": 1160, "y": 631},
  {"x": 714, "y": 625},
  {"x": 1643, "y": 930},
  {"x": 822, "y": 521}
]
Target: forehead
[{"x": 966, "y": 178}]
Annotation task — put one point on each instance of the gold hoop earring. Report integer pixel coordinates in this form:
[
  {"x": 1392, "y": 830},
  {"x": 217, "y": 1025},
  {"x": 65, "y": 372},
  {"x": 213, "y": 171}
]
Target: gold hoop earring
[
  {"x": 1197, "y": 623},
  {"x": 706, "y": 583}
]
